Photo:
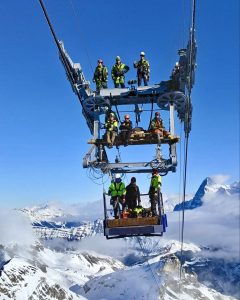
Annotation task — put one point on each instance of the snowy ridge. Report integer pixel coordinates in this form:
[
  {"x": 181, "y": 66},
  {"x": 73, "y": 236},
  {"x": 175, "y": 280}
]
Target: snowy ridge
[
  {"x": 209, "y": 188},
  {"x": 52, "y": 275}
]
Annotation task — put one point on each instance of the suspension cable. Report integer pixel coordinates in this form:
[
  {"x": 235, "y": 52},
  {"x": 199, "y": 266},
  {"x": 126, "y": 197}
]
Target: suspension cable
[
  {"x": 187, "y": 130},
  {"x": 76, "y": 15},
  {"x": 66, "y": 65},
  {"x": 56, "y": 41},
  {"x": 149, "y": 126}
]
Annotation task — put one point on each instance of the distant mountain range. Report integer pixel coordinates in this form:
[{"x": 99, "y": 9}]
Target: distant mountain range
[{"x": 66, "y": 264}]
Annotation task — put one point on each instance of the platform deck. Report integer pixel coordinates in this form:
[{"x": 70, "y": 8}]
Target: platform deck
[{"x": 133, "y": 222}]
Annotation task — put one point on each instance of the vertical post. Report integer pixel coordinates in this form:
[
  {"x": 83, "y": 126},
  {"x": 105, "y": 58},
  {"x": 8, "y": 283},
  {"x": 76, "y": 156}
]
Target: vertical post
[
  {"x": 173, "y": 153},
  {"x": 96, "y": 133},
  {"x": 172, "y": 125},
  {"x": 105, "y": 213}
]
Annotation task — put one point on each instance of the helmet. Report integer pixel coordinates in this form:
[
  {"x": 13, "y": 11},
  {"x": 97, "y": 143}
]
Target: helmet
[
  {"x": 100, "y": 61},
  {"x": 112, "y": 115},
  {"x": 177, "y": 64},
  {"x": 157, "y": 114},
  {"x": 142, "y": 53},
  {"x": 118, "y": 178},
  {"x": 126, "y": 116},
  {"x": 118, "y": 58}
]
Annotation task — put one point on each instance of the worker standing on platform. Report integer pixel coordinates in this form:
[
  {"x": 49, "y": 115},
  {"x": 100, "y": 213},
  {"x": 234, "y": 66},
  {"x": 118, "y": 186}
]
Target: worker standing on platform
[
  {"x": 126, "y": 129},
  {"x": 155, "y": 185},
  {"x": 118, "y": 71},
  {"x": 133, "y": 194},
  {"x": 143, "y": 69},
  {"x": 117, "y": 191},
  {"x": 100, "y": 76}
]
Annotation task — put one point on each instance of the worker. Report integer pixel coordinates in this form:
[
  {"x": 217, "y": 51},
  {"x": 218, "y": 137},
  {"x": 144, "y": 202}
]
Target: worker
[
  {"x": 143, "y": 70},
  {"x": 109, "y": 111},
  {"x": 118, "y": 71},
  {"x": 126, "y": 129},
  {"x": 100, "y": 76},
  {"x": 157, "y": 127},
  {"x": 111, "y": 129},
  {"x": 117, "y": 191},
  {"x": 155, "y": 185},
  {"x": 133, "y": 194},
  {"x": 175, "y": 77}
]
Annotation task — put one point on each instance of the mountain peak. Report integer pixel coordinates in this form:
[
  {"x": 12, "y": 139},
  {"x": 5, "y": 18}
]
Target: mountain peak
[{"x": 210, "y": 185}]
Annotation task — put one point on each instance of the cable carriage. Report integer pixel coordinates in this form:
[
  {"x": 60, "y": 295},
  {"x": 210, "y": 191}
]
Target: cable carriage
[{"x": 173, "y": 95}]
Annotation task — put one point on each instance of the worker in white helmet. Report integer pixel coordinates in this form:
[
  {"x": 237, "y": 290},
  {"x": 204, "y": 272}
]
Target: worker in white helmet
[
  {"x": 175, "y": 77},
  {"x": 143, "y": 69},
  {"x": 117, "y": 191}
]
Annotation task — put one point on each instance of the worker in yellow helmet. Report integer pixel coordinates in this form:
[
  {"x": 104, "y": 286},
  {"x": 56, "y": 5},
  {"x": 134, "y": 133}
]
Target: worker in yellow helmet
[
  {"x": 118, "y": 73},
  {"x": 111, "y": 129}
]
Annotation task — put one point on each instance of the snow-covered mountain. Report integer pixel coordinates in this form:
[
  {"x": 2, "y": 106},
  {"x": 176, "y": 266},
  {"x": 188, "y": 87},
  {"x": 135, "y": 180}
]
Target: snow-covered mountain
[
  {"x": 209, "y": 188},
  {"x": 47, "y": 274},
  {"x": 50, "y": 221},
  {"x": 73, "y": 260}
]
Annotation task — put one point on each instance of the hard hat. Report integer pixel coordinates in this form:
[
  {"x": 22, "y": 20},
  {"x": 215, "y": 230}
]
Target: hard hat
[
  {"x": 177, "y": 64},
  {"x": 127, "y": 116},
  {"x": 157, "y": 113},
  {"x": 118, "y": 178},
  {"x": 112, "y": 115},
  {"x": 142, "y": 53},
  {"x": 118, "y": 58},
  {"x": 100, "y": 61}
]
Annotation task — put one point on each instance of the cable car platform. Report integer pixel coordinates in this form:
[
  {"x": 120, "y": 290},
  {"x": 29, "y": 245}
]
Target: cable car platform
[
  {"x": 137, "y": 138},
  {"x": 145, "y": 226}
]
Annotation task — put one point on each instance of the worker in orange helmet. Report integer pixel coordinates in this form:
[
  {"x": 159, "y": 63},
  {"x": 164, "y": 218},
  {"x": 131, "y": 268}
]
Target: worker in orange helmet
[{"x": 126, "y": 129}]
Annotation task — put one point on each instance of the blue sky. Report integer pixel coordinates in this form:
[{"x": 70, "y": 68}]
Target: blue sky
[{"x": 43, "y": 134}]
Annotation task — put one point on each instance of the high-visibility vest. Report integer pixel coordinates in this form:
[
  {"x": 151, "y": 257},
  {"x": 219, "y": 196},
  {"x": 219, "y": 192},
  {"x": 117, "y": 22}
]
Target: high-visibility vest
[
  {"x": 117, "y": 189},
  {"x": 111, "y": 125},
  {"x": 156, "y": 182}
]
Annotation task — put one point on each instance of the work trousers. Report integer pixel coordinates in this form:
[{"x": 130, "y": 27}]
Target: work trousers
[
  {"x": 111, "y": 135},
  {"x": 144, "y": 77}
]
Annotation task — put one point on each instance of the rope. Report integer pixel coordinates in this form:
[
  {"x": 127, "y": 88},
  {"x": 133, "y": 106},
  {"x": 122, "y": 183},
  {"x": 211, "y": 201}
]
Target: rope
[
  {"x": 76, "y": 15},
  {"x": 118, "y": 113},
  {"x": 56, "y": 41},
  {"x": 180, "y": 179},
  {"x": 65, "y": 63},
  {"x": 187, "y": 129},
  {"x": 184, "y": 199},
  {"x": 150, "y": 116}
]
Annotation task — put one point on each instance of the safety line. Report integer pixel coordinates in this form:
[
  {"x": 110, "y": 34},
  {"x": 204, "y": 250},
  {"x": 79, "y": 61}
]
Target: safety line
[{"x": 76, "y": 15}]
